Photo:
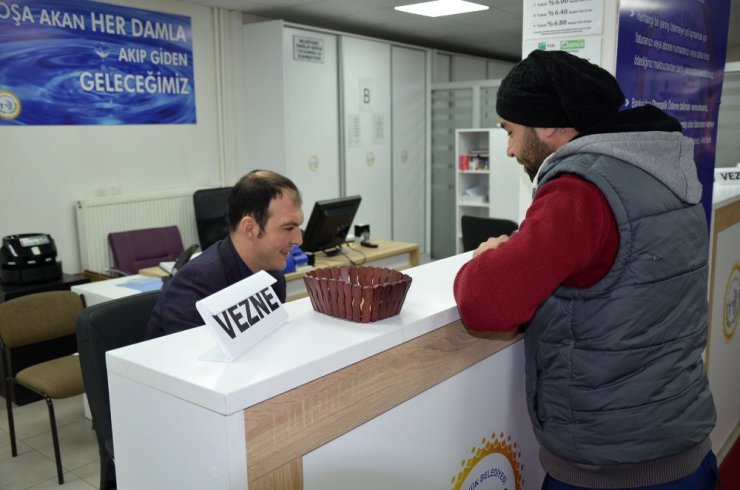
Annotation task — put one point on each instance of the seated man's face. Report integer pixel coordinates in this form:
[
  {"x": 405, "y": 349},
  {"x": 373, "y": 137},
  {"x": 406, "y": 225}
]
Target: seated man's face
[{"x": 281, "y": 232}]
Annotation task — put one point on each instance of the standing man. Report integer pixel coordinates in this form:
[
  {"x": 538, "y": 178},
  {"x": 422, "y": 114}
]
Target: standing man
[
  {"x": 264, "y": 218},
  {"x": 608, "y": 276}
]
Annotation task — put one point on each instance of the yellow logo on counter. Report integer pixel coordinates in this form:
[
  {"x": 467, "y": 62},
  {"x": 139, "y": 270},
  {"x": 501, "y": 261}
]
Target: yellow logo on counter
[
  {"x": 495, "y": 465},
  {"x": 730, "y": 316}
]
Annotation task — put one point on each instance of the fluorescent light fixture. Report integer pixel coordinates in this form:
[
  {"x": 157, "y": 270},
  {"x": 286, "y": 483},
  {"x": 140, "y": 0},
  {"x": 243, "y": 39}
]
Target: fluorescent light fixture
[{"x": 438, "y": 8}]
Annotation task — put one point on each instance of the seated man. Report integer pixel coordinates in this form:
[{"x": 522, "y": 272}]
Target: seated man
[{"x": 264, "y": 218}]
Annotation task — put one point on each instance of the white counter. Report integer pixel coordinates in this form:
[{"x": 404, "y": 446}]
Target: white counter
[
  {"x": 322, "y": 401},
  {"x": 309, "y": 346}
]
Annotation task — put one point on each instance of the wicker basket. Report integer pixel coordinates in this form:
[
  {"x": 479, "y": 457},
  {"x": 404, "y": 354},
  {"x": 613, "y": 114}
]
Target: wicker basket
[{"x": 359, "y": 294}]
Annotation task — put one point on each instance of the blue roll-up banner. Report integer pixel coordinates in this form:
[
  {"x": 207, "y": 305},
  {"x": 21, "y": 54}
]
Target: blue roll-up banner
[
  {"x": 672, "y": 55},
  {"x": 76, "y": 62}
]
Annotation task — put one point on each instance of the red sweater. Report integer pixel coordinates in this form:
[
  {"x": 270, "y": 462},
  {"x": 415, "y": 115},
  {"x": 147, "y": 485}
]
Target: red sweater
[{"x": 569, "y": 237}]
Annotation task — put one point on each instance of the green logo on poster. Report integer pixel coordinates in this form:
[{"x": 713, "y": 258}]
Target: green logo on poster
[{"x": 572, "y": 44}]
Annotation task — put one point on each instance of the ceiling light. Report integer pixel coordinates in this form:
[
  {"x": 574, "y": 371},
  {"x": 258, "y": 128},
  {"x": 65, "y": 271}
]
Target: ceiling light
[{"x": 439, "y": 8}]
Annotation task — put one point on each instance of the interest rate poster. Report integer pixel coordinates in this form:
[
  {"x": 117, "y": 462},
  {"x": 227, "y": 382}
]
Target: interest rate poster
[
  {"x": 77, "y": 62},
  {"x": 672, "y": 55}
]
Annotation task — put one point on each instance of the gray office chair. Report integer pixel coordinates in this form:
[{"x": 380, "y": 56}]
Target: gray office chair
[
  {"x": 476, "y": 230},
  {"x": 100, "y": 328}
]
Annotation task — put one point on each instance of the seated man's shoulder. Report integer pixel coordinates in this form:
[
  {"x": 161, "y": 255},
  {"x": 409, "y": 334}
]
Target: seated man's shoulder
[
  {"x": 204, "y": 269},
  {"x": 209, "y": 259}
]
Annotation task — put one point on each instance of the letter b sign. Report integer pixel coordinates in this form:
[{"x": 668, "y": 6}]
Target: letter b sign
[{"x": 366, "y": 94}]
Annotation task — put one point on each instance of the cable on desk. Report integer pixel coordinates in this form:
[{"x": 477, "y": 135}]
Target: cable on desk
[{"x": 349, "y": 246}]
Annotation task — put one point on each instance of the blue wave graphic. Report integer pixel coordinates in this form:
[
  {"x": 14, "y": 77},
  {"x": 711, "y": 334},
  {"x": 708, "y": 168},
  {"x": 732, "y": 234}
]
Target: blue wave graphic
[{"x": 65, "y": 76}]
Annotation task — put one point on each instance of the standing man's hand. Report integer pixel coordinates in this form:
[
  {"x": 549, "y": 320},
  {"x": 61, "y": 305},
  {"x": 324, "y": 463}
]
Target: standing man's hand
[{"x": 490, "y": 244}]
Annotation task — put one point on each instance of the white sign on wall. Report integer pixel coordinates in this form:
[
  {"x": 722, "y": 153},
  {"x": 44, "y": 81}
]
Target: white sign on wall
[
  {"x": 241, "y": 315},
  {"x": 546, "y": 18},
  {"x": 354, "y": 131},
  {"x": 308, "y": 49}
]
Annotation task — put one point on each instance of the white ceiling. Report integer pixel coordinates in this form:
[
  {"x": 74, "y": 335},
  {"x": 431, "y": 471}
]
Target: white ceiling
[{"x": 494, "y": 33}]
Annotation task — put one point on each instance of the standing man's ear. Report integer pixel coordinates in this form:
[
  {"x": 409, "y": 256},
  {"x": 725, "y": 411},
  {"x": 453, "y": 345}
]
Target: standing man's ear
[
  {"x": 556, "y": 137},
  {"x": 545, "y": 133}
]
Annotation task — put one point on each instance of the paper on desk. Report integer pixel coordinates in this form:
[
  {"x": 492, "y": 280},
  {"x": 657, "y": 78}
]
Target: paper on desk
[
  {"x": 167, "y": 266},
  {"x": 142, "y": 284}
]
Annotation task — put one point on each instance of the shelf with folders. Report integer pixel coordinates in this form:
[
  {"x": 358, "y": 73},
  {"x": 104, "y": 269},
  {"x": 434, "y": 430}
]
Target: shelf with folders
[{"x": 488, "y": 183}]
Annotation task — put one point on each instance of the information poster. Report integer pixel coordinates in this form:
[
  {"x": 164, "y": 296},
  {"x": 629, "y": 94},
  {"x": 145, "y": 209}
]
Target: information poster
[
  {"x": 543, "y": 18},
  {"x": 673, "y": 56},
  {"x": 75, "y": 62}
]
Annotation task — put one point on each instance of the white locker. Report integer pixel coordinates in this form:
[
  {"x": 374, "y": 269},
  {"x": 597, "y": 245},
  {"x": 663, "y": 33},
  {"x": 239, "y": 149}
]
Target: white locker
[
  {"x": 293, "y": 107},
  {"x": 366, "y": 95},
  {"x": 409, "y": 143}
]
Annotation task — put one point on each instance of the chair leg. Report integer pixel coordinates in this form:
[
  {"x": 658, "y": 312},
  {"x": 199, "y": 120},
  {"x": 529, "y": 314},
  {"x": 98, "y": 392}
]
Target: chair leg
[
  {"x": 55, "y": 439},
  {"x": 107, "y": 473},
  {"x": 11, "y": 423}
]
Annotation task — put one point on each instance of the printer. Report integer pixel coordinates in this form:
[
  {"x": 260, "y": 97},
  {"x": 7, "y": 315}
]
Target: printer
[{"x": 28, "y": 259}]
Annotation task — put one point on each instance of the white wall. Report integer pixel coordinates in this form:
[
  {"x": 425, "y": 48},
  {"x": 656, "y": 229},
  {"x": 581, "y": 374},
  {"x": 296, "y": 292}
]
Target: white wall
[{"x": 45, "y": 169}]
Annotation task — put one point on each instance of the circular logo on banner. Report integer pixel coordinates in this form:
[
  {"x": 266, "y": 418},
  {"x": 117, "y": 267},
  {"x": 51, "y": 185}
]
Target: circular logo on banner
[
  {"x": 493, "y": 466},
  {"x": 730, "y": 317},
  {"x": 313, "y": 163},
  {"x": 10, "y": 105}
]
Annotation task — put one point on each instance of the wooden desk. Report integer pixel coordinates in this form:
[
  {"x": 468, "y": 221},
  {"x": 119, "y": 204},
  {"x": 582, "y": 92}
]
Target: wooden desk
[{"x": 390, "y": 254}]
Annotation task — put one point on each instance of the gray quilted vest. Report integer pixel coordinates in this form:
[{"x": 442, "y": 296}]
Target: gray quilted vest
[{"x": 614, "y": 371}]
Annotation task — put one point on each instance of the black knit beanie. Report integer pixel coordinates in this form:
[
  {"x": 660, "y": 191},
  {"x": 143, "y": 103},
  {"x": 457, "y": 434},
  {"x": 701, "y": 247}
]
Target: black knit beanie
[{"x": 554, "y": 89}]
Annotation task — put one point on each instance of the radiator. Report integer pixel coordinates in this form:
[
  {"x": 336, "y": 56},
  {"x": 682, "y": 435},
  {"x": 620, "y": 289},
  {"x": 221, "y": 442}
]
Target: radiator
[{"x": 98, "y": 217}]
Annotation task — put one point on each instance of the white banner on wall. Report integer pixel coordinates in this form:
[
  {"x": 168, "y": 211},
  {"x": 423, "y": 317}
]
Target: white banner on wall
[{"x": 546, "y": 18}]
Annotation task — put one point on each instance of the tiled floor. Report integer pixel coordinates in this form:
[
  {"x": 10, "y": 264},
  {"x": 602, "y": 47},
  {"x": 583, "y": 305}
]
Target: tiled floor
[{"x": 34, "y": 467}]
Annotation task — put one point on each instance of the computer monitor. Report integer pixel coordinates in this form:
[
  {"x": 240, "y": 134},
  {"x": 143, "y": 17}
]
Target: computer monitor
[{"x": 329, "y": 224}]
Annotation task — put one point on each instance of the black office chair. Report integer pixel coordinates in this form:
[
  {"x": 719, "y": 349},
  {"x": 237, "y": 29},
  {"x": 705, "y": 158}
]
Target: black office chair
[
  {"x": 101, "y": 328},
  {"x": 476, "y": 230},
  {"x": 211, "y": 214}
]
